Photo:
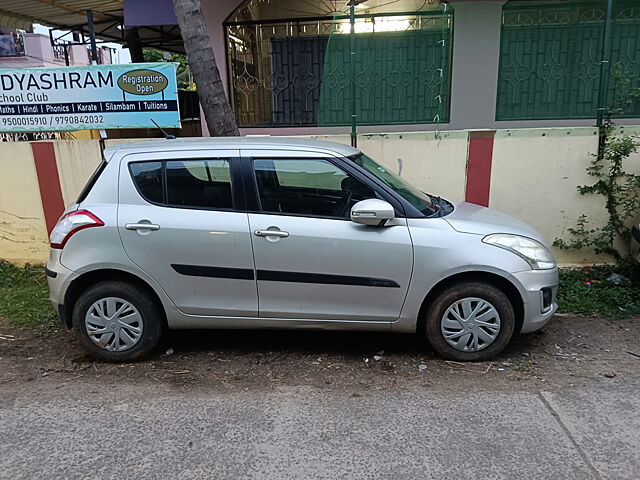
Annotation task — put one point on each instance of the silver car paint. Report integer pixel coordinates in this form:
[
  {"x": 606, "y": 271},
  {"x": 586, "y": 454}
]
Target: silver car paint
[
  {"x": 471, "y": 218},
  {"x": 440, "y": 250},
  {"x": 189, "y": 237},
  {"x": 334, "y": 247}
]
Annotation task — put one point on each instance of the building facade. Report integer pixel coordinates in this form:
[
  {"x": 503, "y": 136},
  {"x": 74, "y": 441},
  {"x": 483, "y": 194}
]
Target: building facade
[
  {"x": 19, "y": 49},
  {"x": 424, "y": 65},
  {"x": 420, "y": 65}
]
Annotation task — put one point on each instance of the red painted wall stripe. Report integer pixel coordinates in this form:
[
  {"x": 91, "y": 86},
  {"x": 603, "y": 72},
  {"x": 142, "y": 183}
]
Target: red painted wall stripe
[
  {"x": 44, "y": 157},
  {"x": 479, "y": 167}
]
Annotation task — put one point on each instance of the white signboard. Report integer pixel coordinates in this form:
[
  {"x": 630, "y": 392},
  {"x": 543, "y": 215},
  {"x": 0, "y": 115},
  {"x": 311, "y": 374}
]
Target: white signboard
[{"x": 88, "y": 97}]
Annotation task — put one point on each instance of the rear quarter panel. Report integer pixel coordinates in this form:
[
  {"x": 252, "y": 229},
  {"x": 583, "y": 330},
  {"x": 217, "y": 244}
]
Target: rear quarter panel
[{"x": 101, "y": 248}]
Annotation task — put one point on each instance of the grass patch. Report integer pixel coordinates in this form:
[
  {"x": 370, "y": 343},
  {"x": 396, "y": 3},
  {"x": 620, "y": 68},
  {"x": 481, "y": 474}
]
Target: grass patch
[
  {"x": 526, "y": 367},
  {"x": 24, "y": 296},
  {"x": 589, "y": 292}
]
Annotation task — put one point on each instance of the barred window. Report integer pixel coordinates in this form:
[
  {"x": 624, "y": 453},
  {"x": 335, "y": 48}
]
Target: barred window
[
  {"x": 296, "y": 71},
  {"x": 550, "y": 56}
]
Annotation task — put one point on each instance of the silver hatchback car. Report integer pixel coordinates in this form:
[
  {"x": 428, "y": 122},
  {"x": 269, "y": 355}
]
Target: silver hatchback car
[{"x": 286, "y": 233}]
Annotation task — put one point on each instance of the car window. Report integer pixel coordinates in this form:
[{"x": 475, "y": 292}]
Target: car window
[
  {"x": 199, "y": 183},
  {"x": 148, "y": 178},
  {"x": 307, "y": 187},
  {"x": 411, "y": 194},
  {"x": 185, "y": 183}
]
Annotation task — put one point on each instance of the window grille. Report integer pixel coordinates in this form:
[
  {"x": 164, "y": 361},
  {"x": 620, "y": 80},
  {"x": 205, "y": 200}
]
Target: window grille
[
  {"x": 550, "y": 58},
  {"x": 297, "y": 72}
]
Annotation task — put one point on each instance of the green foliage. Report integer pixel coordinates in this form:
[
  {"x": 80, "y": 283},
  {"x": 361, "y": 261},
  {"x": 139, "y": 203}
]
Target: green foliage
[
  {"x": 620, "y": 189},
  {"x": 589, "y": 292},
  {"x": 24, "y": 296},
  {"x": 182, "y": 71}
]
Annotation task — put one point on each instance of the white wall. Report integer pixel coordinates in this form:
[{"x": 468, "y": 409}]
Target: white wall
[
  {"x": 23, "y": 235},
  {"x": 535, "y": 175},
  {"x": 436, "y": 164}
]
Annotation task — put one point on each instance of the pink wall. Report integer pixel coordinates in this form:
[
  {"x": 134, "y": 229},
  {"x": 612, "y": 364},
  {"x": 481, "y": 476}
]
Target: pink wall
[{"x": 215, "y": 13}]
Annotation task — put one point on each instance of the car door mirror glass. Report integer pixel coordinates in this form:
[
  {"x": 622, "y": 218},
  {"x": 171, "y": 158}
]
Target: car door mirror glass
[{"x": 372, "y": 212}]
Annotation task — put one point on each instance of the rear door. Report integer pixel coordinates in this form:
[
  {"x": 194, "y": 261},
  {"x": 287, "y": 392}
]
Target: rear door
[
  {"x": 182, "y": 220},
  {"x": 312, "y": 262}
]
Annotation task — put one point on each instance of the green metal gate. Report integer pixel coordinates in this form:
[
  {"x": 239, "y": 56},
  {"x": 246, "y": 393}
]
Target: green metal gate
[
  {"x": 400, "y": 77},
  {"x": 296, "y": 72},
  {"x": 550, "y": 58}
]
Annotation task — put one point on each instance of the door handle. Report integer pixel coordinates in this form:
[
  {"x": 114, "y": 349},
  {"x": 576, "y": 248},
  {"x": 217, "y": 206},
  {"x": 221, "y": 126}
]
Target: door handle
[
  {"x": 271, "y": 233},
  {"x": 142, "y": 226}
]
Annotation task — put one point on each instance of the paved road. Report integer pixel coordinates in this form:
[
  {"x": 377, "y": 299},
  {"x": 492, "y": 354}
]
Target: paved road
[{"x": 82, "y": 430}]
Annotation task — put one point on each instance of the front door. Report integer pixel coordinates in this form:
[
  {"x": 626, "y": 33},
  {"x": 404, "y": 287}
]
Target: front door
[
  {"x": 179, "y": 222},
  {"x": 311, "y": 261}
]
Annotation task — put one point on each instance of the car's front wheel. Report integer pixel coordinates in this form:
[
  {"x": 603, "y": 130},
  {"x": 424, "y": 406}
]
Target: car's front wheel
[
  {"x": 470, "y": 321},
  {"x": 117, "y": 321}
]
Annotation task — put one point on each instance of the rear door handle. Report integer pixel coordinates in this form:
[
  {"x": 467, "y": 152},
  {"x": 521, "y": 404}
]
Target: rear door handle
[
  {"x": 142, "y": 226},
  {"x": 271, "y": 233}
]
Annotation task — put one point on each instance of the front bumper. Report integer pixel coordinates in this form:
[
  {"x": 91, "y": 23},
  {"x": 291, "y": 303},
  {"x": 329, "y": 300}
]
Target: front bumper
[{"x": 539, "y": 289}]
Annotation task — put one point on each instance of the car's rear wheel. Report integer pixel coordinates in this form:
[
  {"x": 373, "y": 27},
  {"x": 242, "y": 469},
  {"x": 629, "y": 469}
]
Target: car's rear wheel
[
  {"x": 470, "y": 321},
  {"x": 117, "y": 321}
]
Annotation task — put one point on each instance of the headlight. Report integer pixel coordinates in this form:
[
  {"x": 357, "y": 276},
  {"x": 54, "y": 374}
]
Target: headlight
[{"x": 536, "y": 254}]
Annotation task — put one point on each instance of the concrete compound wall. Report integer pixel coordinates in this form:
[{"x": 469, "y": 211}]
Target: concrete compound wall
[
  {"x": 437, "y": 166},
  {"x": 23, "y": 236},
  {"x": 529, "y": 173},
  {"x": 534, "y": 177}
]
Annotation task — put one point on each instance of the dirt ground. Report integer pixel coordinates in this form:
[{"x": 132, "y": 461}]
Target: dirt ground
[{"x": 569, "y": 352}]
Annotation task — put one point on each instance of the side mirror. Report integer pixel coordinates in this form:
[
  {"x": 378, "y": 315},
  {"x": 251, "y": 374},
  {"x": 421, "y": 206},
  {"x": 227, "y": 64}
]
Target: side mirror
[{"x": 372, "y": 212}]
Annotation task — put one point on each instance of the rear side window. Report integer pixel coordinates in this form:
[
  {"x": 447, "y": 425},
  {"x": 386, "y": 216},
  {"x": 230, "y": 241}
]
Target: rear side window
[
  {"x": 148, "y": 178},
  {"x": 199, "y": 183},
  {"x": 185, "y": 183}
]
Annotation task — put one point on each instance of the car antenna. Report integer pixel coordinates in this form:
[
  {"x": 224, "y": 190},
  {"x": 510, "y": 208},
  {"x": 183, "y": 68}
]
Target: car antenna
[{"x": 166, "y": 135}]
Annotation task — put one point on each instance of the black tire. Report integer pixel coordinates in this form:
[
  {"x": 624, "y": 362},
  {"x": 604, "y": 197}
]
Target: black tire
[
  {"x": 152, "y": 319},
  {"x": 434, "y": 313}
]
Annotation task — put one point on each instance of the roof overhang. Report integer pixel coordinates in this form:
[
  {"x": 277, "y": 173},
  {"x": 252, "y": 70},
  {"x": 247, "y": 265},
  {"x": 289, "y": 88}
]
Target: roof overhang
[
  {"x": 61, "y": 13},
  {"x": 71, "y": 15}
]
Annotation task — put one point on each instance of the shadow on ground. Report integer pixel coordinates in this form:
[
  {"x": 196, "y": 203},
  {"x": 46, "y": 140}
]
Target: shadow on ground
[{"x": 568, "y": 352}]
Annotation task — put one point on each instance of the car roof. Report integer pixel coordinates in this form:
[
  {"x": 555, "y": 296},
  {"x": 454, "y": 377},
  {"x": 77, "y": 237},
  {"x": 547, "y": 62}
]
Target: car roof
[{"x": 246, "y": 143}]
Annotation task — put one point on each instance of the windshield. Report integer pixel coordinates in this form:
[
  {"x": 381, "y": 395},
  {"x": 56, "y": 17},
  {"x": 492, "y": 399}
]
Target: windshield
[{"x": 411, "y": 194}]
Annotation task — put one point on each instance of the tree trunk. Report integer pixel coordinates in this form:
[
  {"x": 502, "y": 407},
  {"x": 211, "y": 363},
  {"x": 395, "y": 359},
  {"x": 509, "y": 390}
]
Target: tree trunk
[{"x": 215, "y": 105}]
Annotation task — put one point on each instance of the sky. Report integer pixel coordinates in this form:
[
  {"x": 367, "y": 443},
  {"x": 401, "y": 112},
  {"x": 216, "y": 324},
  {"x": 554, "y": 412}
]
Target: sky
[{"x": 121, "y": 54}]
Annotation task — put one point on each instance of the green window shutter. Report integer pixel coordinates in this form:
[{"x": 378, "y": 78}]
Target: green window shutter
[
  {"x": 401, "y": 78},
  {"x": 550, "y": 58},
  {"x": 297, "y": 73}
]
